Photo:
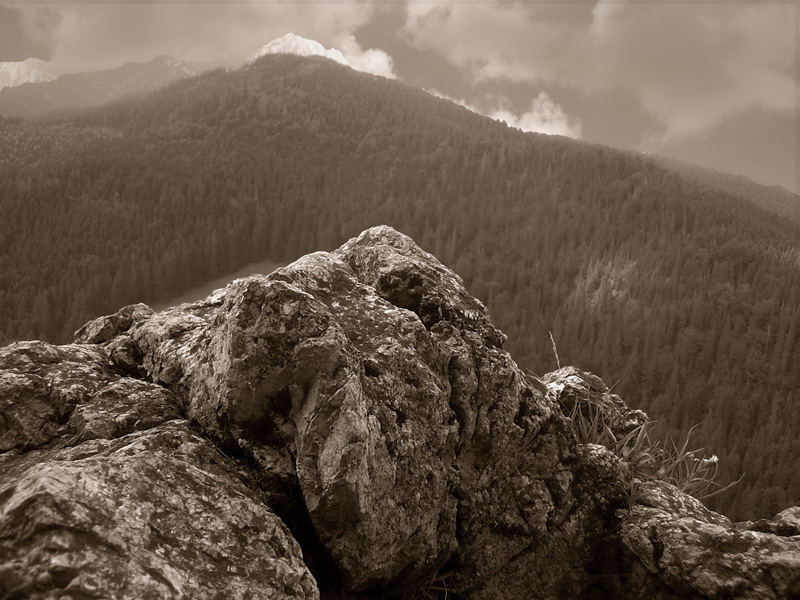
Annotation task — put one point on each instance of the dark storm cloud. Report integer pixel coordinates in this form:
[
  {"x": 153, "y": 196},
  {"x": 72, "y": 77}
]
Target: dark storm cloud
[
  {"x": 102, "y": 34},
  {"x": 12, "y": 43},
  {"x": 691, "y": 66},
  {"x": 657, "y": 76},
  {"x": 22, "y": 36}
]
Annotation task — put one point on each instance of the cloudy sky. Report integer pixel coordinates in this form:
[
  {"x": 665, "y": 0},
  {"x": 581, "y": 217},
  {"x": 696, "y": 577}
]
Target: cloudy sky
[{"x": 712, "y": 83}]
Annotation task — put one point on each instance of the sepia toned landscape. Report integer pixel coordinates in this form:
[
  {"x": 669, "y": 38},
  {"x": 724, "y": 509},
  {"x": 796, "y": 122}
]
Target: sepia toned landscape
[{"x": 284, "y": 323}]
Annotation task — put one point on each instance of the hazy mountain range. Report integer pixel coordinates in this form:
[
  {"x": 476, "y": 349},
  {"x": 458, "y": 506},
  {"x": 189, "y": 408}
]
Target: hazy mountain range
[
  {"x": 645, "y": 273},
  {"x": 30, "y": 70},
  {"x": 34, "y": 87},
  {"x": 36, "y": 97}
]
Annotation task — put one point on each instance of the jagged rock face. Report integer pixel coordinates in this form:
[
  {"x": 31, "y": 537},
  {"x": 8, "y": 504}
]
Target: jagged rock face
[
  {"x": 699, "y": 554},
  {"x": 361, "y": 398},
  {"x": 40, "y": 387},
  {"x": 572, "y": 386},
  {"x": 107, "y": 492},
  {"x": 415, "y": 440}
]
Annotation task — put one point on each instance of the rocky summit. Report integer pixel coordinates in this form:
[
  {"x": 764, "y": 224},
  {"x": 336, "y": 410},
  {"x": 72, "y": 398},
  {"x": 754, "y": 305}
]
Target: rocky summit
[{"x": 348, "y": 426}]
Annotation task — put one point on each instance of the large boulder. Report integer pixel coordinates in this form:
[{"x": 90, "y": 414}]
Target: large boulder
[
  {"x": 356, "y": 404},
  {"x": 109, "y": 493},
  {"x": 374, "y": 380}
]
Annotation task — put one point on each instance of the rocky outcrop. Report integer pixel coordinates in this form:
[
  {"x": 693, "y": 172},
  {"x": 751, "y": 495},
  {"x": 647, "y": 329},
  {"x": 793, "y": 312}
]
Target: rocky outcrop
[
  {"x": 108, "y": 493},
  {"x": 696, "y": 553},
  {"x": 348, "y": 426}
]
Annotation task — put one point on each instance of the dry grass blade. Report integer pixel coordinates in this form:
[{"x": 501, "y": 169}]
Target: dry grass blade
[
  {"x": 434, "y": 589},
  {"x": 555, "y": 350}
]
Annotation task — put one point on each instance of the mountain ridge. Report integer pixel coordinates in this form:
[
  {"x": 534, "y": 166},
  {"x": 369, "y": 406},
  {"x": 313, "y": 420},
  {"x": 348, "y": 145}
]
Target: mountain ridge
[
  {"x": 773, "y": 198},
  {"x": 76, "y": 91}
]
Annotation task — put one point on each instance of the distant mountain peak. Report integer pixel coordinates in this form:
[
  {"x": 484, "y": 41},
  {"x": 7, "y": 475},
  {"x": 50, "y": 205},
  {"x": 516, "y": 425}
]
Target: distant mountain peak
[
  {"x": 294, "y": 44},
  {"x": 30, "y": 70},
  {"x": 91, "y": 88},
  {"x": 176, "y": 64}
]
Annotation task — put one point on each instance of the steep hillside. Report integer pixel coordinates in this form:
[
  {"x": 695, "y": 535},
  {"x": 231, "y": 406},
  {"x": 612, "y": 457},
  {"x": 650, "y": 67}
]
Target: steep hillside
[
  {"x": 685, "y": 295},
  {"x": 772, "y": 198}
]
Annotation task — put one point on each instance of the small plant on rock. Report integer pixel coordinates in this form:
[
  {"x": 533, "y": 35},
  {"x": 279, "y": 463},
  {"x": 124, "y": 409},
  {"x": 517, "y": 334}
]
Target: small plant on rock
[{"x": 649, "y": 458}]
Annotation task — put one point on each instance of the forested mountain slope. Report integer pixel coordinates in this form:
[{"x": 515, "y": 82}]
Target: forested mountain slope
[
  {"x": 688, "y": 296},
  {"x": 772, "y": 198}
]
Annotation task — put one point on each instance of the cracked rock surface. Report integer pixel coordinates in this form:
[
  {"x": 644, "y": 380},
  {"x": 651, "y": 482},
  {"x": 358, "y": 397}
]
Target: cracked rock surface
[{"x": 348, "y": 426}]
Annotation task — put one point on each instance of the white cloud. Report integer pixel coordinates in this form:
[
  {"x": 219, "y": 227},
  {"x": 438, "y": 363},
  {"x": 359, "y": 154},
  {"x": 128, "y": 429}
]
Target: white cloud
[
  {"x": 351, "y": 54},
  {"x": 460, "y": 102},
  {"x": 371, "y": 60},
  {"x": 99, "y": 35},
  {"x": 544, "y": 116},
  {"x": 488, "y": 40},
  {"x": 694, "y": 66},
  {"x": 691, "y": 66}
]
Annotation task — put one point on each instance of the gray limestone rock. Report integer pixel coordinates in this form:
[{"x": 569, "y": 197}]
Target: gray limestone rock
[
  {"x": 40, "y": 386},
  {"x": 418, "y": 444},
  {"x": 697, "y": 553},
  {"x": 152, "y": 514},
  {"x": 105, "y": 492}
]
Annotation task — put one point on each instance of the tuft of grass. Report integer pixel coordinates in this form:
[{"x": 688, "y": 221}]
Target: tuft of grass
[
  {"x": 649, "y": 458},
  {"x": 434, "y": 588}
]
